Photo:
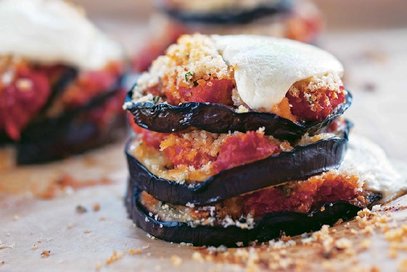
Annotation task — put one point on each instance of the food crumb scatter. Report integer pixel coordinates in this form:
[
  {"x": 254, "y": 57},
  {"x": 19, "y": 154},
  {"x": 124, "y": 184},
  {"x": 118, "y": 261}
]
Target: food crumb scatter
[
  {"x": 197, "y": 256},
  {"x": 45, "y": 253},
  {"x": 96, "y": 207},
  {"x": 4, "y": 246},
  {"x": 81, "y": 209},
  {"x": 335, "y": 248},
  {"x": 403, "y": 266},
  {"x": 135, "y": 251},
  {"x": 176, "y": 260},
  {"x": 67, "y": 184},
  {"x": 36, "y": 245},
  {"x": 116, "y": 255},
  {"x": 150, "y": 236}
]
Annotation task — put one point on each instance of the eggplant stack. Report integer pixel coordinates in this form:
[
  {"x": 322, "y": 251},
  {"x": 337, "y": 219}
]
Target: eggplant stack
[
  {"x": 60, "y": 89},
  {"x": 240, "y": 139}
]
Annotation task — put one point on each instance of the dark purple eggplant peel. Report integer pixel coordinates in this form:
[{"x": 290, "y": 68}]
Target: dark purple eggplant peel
[
  {"x": 268, "y": 227},
  {"x": 218, "y": 118},
  {"x": 299, "y": 164},
  {"x": 230, "y": 16}
]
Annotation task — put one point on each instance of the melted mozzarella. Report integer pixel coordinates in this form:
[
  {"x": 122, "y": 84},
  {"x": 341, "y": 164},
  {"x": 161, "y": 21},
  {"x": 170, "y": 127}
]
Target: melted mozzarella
[
  {"x": 53, "y": 31},
  {"x": 265, "y": 68},
  {"x": 369, "y": 162}
]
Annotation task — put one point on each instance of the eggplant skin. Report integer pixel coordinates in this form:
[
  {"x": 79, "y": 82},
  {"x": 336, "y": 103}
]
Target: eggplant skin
[
  {"x": 299, "y": 164},
  {"x": 230, "y": 16},
  {"x": 218, "y": 118},
  {"x": 269, "y": 227},
  {"x": 74, "y": 132}
]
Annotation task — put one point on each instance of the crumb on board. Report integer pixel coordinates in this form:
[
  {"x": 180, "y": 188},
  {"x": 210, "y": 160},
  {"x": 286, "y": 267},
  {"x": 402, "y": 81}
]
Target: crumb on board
[
  {"x": 369, "y": 87},
  {"x": 397, "y": 239},
  {"x": 197, "y": 256},
  {"x": 150, "y": 236},
  {"x": 96, "y": 207},
  {"x": 145, "y": 247},
  {"x": 36, "y": 245},
  {"x": 4, "y": 245},
  {"x": 66, "y": 183},
  {"x": 70, "y": 226},
  {"x": 116, "y": 255},
  {"x": 331, "y": 248},
  {"x": 45, "y": 253},
  {"x": 81, "y": 209},
  {"x": 402, "y": 267},
  {"x": 176, "y": 260},
  {"x": 134, "y": 251}
]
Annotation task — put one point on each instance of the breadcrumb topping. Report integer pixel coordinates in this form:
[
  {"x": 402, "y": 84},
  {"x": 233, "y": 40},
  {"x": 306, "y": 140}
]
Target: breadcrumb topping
[{"x": 192, "y": 58}]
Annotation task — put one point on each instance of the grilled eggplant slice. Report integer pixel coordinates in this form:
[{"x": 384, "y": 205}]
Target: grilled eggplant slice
[
  {"x": 230, "y": 16},
  {"x": 268, "y": 227},
  {"x": 218, "y": 118},
  {"x": 300, "y": 163}
]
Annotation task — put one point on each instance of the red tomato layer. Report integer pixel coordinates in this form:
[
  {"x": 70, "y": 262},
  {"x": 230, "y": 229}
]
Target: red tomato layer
[
  {"x": 213, "y": 91},
  {"x": 244, "y": 148},
  {"x": 304, "y": 29},
  {"x": 300, "y": 197},
  {"x": 320, "y": 106},
  {"x": 234, "y": 150},
  {"x": 305, "y": 106},
  {"x": 150, "y": 138},
  {"x": 22, "y": 98},
  {"x": 303, "y": 196}
]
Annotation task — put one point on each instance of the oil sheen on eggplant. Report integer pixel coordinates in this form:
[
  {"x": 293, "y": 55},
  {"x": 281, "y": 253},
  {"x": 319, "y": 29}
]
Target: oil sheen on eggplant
[
  {"x": 230, "y": 16},
  {"x": 218, "y": 118},
  {"x": 300, "y": 163},
  {"x": 268, "y": 227}
]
